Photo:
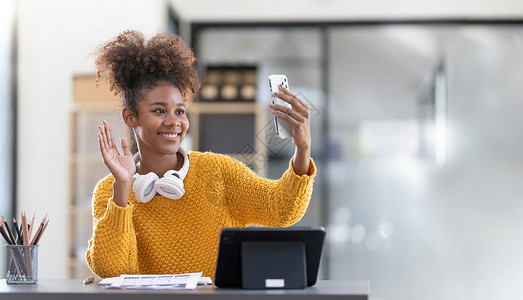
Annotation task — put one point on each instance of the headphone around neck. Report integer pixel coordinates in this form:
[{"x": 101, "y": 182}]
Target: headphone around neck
[{"x": 170, "y": 185}]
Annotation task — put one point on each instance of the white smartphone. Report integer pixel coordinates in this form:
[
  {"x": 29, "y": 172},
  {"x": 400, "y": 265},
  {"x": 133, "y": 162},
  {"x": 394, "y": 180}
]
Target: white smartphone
[{"x": 283, "y": 129}]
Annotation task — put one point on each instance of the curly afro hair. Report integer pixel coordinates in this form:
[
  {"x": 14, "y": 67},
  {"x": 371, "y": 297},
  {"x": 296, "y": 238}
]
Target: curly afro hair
[{"x": 133, "y": 65}]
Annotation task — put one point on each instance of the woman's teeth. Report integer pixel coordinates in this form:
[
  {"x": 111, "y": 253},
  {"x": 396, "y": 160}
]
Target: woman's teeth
[{"x": 169, "y": 135}]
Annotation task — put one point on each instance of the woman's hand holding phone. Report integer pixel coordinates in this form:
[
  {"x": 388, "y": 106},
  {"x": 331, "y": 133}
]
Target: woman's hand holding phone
[
  {"x": 298, "y": 117},
  {"x": 122, "y": 167}
]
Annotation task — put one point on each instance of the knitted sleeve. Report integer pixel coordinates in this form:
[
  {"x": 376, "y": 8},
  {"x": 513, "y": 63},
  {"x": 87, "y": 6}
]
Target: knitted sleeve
[
  {"x": 260, "y": 201},
  {"x": 112, "y": 249}
]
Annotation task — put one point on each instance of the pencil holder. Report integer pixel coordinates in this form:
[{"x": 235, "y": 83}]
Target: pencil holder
[{"x": 23, "y": 264}]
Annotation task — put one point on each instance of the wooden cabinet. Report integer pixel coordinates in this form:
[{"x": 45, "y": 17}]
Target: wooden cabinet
[{"x": 91, "y": 106}]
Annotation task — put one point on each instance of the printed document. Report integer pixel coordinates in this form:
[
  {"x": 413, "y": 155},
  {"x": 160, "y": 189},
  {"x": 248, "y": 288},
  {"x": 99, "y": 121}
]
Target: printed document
[{"x": 185, "y": 281}]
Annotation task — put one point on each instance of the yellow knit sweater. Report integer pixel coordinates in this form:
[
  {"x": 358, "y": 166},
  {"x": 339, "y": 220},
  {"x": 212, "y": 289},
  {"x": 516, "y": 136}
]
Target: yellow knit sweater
[{"x": 167, "y": 236}]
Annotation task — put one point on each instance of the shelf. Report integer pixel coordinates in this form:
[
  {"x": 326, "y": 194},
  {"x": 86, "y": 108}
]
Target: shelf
[
  {"x": 223, "y": 107},
  {"x": 86, "y": 158},
  {"x": 95, "y": 107}
]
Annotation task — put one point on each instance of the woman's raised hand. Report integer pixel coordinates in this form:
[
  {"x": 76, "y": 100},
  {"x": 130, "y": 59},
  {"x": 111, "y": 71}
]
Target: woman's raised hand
[
  {"x": 123, "y": 166},
  {"x": 298, "y": 118}
]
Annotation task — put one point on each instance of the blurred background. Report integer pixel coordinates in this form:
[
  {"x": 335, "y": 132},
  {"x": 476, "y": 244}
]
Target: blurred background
[{"x": 415, "y": 119}]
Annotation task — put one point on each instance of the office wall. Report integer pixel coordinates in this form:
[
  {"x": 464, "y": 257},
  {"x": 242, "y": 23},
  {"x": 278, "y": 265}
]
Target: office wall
[
  {"x": 55, "y": 40},
  {"x": 7, "y": 19}
]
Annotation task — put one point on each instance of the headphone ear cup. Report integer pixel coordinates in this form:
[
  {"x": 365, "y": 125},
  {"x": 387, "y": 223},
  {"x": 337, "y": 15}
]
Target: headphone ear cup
[
  {"x": 143, "y": 186},
  {"x": 170, "y": 186}
]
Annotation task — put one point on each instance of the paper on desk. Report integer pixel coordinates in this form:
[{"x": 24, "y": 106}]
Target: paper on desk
[
  {"x": 168, "y": 281},
  {"x": 205, "y": 281},
  {"x": 110, "y": 280}
]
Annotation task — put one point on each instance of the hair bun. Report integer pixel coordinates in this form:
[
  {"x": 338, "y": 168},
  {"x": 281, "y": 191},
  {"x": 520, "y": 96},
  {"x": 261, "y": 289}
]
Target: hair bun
[{"x": 130, "y": 62}]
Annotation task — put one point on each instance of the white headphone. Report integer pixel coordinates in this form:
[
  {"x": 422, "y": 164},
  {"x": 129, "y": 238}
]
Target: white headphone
[{"x": 170, "y": 185}]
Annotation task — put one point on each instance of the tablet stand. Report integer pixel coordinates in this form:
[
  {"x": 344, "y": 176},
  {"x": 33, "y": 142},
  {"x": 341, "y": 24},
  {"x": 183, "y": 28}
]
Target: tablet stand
[{"x": 270, "y": 265}]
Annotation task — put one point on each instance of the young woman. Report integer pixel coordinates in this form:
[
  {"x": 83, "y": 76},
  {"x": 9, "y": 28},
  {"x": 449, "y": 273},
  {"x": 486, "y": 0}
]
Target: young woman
[{"x": 139, "y": 225}]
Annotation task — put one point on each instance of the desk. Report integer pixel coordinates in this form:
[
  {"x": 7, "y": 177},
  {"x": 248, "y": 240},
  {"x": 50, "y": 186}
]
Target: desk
[{"x": 67, "y": 289}]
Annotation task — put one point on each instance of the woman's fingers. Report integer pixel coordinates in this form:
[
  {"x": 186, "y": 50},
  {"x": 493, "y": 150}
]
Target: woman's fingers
[
  {"x": 298, "y": 110},
  {"x": 106, "y": 141},
  {"x": 296, "y": 99},
  {"x": 292, "y": 121},
  {"x": 296, "y": 103},
  {"x": 101, "y": 144},
  {"x": 125, "y": 147},
  {"x": 109, "y": 135},
  {"x": 289, "y": 111},
  {"x": 102, "y": 139}
]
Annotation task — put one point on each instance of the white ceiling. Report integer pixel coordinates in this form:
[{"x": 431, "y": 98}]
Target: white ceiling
[{"x": 343, "y": 10}]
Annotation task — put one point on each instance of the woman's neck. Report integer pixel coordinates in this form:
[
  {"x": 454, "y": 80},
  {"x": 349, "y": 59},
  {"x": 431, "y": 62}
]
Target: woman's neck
[{"x": 159, "y": 164}]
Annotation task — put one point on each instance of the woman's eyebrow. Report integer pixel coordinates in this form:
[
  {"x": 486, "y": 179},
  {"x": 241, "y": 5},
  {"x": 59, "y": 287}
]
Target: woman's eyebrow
[
  {"x": 164, "y": 104},
  {"x": 158, "y": 103}
]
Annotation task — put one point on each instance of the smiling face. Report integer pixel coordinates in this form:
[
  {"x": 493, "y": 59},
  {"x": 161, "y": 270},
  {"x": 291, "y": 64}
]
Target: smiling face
[{"x": 161, "y": 123}]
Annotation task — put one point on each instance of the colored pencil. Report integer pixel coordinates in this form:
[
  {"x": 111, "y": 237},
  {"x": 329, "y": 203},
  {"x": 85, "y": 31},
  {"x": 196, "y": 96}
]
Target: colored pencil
[
  {"x": 4, "y": 233},
  {"x": 39, "y": 231},
  {"x": 7, "y": 232},
  {"x": 31, "y": 226},
  {"x": 15, "y": 225},
  {"x": 24, "y": 230}
]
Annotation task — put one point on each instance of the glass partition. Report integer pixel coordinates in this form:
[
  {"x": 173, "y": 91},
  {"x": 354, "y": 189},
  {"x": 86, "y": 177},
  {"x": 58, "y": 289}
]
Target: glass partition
[
  {"x": 421, "y": 167},
  {"x": 426, "y": 184}
]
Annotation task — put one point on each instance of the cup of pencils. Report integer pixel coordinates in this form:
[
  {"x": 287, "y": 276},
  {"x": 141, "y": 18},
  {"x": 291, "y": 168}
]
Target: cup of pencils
[{"x": 22, "y": 248}]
